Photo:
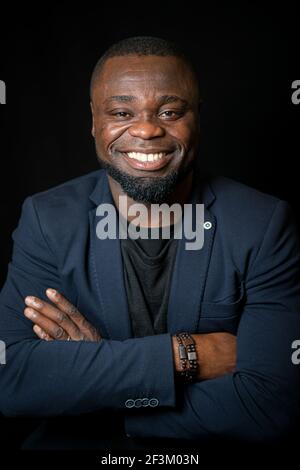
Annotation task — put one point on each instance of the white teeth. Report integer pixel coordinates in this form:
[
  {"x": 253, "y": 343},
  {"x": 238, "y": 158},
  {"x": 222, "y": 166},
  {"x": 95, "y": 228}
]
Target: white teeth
[{"x": 146, "y": 157}]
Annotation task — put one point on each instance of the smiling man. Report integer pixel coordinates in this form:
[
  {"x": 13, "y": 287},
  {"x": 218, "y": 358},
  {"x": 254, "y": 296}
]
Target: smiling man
[
  {"x": 144, "y": 337},
  {"x": 146, "y": 158}
]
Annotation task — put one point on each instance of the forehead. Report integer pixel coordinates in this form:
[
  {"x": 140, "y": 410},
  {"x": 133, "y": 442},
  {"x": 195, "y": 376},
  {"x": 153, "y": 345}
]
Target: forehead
[{"x": 138, "y": 75}]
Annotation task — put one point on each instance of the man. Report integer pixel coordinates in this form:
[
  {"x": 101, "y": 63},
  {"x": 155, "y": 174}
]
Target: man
[{"x": 95, "y": 326}]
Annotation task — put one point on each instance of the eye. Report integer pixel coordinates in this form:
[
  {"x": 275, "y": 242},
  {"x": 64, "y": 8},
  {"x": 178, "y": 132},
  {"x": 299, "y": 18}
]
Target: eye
[
  {"x": 171, "y": 114},
  {"x": 121, "y": 114}
]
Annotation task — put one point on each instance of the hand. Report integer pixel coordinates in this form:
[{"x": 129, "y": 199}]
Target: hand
[
  {"x": 216, "y": 354},
  {"x": 61, "y": 321}
]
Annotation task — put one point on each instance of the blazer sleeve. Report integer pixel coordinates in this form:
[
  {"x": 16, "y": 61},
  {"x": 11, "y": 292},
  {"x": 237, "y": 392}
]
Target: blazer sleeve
[
  {"x": 52, "y": 378},
  {"x": 261, "y": 399}
]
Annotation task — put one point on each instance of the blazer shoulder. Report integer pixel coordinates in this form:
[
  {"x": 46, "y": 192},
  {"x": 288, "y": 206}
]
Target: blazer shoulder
[
  {"x": 244, "y": 213},
  {"x": 234, "y": 197},
  {"x": 71, "y": 195},
  {"x": 228, "y": 186}
]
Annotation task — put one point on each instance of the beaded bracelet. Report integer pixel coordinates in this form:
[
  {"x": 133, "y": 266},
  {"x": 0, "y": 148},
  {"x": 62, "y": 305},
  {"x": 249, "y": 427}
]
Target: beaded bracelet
[{"x": 188, "y": 356}]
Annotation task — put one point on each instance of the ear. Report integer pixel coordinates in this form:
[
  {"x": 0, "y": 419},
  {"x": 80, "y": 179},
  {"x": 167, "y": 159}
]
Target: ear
[{"x": 93, "y": 118}]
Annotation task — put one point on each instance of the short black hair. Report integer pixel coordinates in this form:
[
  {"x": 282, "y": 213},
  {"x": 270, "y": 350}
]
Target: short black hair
[{"x": 142, "y": 46}]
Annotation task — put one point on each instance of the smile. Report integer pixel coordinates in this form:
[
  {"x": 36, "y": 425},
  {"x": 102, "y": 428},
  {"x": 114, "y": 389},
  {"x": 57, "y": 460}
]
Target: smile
[
  {"x": 146, "y": 157},
  {"x": 148, "y": 161}
]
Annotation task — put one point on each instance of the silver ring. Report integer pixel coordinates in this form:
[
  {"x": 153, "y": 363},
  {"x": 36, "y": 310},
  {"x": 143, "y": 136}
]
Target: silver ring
[{"x": 68, "y": 338}]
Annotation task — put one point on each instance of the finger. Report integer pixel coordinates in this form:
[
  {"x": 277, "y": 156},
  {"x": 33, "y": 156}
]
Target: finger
[
  {"x": 54, "y": 314},
  {"x": 41, "y": 333},
  {"x": 48, "y": 326},
  {"x": 64, "y": 305}
]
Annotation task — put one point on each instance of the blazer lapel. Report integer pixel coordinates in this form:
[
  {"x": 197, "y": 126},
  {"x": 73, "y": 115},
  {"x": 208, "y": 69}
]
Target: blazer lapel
[
  {"x": 190, "y": 271},
  {"x": 109, "y": 271},
  {"x": 188, "y": 279}
]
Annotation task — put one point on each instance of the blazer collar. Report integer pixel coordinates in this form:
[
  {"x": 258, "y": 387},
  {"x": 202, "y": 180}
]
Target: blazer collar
[{"x": 101, "y": 192}]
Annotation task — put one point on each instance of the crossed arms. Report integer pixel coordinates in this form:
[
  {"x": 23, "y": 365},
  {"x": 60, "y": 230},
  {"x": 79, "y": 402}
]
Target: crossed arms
[
  {"x": 60, "y": 320},
  {"x": 257, "y": 401}
]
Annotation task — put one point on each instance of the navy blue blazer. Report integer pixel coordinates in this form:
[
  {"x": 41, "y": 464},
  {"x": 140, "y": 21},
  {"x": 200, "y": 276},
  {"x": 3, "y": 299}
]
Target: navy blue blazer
[{"x": 245, "y": 280}]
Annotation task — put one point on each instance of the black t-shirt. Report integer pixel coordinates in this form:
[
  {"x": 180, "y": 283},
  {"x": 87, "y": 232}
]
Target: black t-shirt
[{"x": 148, "y": 266}]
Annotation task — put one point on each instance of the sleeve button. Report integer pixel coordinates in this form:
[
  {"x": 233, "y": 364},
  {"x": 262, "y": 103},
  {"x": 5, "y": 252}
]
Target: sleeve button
[
  {"x": 138, "y": 403},
  {"x": 153, "y": 402},
  {"x": 129, "y": 403}
]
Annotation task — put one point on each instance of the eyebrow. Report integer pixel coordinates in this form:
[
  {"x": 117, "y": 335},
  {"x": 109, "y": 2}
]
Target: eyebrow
[
  {"x": 122, "y": 98},
  {"x": 164, "y": 99}
]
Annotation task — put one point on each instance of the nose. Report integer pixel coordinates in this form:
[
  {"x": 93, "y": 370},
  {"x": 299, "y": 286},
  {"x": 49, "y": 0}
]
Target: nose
[{"x": 146, "y": 129}]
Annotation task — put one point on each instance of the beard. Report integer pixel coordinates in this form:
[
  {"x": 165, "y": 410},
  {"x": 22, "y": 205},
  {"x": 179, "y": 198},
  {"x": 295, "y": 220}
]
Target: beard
[{"x": 146, "y": 189}]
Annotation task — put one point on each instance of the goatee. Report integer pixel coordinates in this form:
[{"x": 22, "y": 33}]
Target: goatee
[{"x": 146, "y": 189}]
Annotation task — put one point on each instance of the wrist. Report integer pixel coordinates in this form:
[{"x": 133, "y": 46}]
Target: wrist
[{"x": 186, "y": 363}]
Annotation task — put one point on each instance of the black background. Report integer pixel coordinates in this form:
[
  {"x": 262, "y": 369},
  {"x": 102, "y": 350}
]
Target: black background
[{"x": 247, "y": 57}]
